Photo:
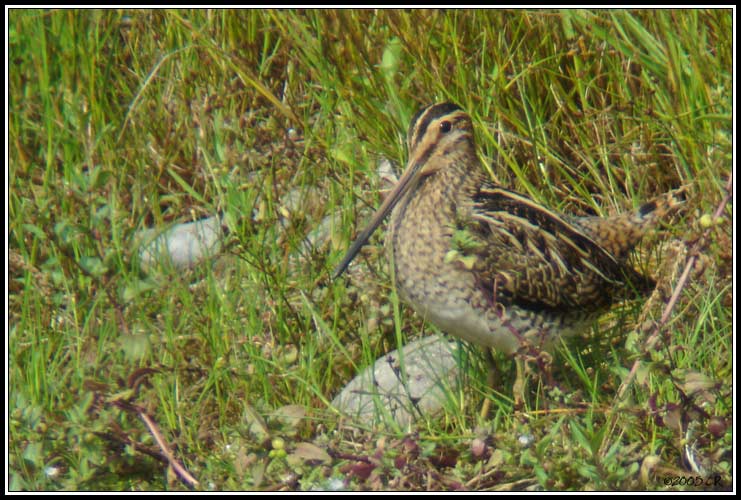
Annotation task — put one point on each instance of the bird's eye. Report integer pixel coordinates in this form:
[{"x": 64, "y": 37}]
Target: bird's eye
[{"x": 445, "y": 127}]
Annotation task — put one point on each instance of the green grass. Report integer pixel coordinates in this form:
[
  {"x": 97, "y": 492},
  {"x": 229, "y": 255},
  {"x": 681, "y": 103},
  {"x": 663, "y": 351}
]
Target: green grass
[{"x": 122, "y": 120}]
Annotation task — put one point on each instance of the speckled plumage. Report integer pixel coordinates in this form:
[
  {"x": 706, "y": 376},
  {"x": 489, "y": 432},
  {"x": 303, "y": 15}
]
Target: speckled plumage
[{"x": 490, "y": 265}]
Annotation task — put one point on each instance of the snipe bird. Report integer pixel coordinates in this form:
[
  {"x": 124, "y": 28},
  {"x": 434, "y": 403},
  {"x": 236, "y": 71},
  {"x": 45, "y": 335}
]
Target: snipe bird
[{"x": 492, "y": 266}]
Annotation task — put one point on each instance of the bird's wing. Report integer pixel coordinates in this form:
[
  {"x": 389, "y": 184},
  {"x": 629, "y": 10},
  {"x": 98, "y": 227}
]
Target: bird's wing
[{"x": 526, "y": 254}]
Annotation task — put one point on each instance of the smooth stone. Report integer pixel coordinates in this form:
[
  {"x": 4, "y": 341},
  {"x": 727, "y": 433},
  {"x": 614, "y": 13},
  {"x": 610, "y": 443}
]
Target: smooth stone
[
  {"x": 380, "y": 395},
  {"x": 181, "y": 246}
]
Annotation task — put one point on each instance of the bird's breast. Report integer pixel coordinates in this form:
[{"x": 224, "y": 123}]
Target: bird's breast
[{"x": 445, "y": 293}]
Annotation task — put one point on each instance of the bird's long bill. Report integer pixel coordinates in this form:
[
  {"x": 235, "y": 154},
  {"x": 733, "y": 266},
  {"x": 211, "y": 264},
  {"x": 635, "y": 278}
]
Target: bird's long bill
[{"x": 407, "y": 180}]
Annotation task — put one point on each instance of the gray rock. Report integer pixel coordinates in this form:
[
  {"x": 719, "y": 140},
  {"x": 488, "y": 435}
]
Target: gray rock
[
  {"x": 401, "y": 392},
  {"x": 182, "y": 246}
]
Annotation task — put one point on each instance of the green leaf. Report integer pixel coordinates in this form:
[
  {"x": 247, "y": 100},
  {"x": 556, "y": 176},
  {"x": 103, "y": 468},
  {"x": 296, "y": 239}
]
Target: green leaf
[{"x": 93, "y": 265}]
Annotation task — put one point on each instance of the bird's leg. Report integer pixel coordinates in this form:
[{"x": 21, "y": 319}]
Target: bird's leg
[
  {"x": 518, "y": 388},
  {"x": 526, "y": 354},
  {"x": 491, "y": 380},
  {"x": 545, "y": 362}
]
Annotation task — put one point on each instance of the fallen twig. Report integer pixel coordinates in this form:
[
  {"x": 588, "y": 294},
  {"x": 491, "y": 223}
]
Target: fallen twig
[{"x": 154, "y": 429}]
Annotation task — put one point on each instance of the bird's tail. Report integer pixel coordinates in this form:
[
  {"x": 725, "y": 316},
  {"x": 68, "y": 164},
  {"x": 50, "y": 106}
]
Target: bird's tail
[{"x": 619, "y": 234}]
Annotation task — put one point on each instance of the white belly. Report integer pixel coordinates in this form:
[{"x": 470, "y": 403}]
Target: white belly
[{"x": 470, "y": 325}]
